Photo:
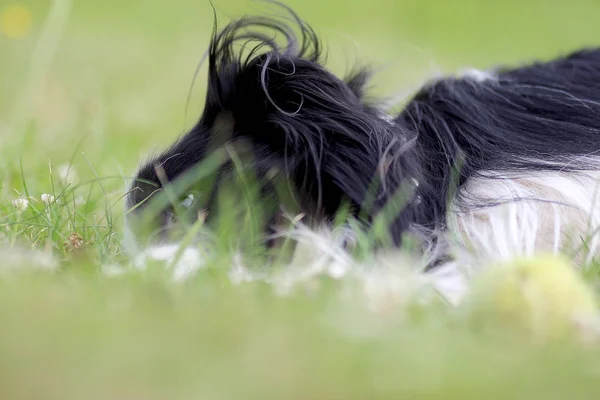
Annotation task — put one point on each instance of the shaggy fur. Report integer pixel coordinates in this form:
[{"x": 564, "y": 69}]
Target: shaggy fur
[{"x": 500, "y": 163}]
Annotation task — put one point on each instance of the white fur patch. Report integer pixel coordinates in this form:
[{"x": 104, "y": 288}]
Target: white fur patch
[
  {"x": 476, "y": 74},
  {"x": 502, "y": 216},
  {"x": 184, "y": 262}
]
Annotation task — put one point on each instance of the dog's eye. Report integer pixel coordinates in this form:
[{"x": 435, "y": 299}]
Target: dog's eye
[
  {"x": 170, "y": 217},
  {"x": 188, "y": 201}
]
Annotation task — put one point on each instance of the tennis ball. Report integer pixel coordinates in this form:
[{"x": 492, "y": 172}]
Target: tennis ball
[
  {"x": 15, "y": 21},
  {"x": 543, "y": 298}
]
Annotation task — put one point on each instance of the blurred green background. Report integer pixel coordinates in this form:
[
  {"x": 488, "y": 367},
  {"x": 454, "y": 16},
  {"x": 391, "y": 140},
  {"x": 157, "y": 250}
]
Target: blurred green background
[{"x": 120, "y": 72}]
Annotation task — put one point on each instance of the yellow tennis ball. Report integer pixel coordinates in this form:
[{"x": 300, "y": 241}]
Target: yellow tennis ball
[
  {"x": 542, "y": 297},
  {"x": 15, "y": 21}
]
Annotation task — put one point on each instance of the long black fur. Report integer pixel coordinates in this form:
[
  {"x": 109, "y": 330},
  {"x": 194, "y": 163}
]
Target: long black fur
[{"x": 335, "y": 147}]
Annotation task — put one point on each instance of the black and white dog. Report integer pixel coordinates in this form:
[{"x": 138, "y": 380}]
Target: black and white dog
[{"x": 495, "y": 163}]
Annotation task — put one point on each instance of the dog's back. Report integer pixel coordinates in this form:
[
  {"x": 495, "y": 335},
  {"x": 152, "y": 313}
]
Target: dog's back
[{"x": 527, "y": 144}]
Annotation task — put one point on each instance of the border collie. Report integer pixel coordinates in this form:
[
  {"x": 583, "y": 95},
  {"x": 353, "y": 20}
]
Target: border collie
[{"x": 491, "y": 164}]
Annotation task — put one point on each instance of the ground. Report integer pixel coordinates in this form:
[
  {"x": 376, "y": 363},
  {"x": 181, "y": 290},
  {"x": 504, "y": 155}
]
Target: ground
[{"x": 88, "y": 89}]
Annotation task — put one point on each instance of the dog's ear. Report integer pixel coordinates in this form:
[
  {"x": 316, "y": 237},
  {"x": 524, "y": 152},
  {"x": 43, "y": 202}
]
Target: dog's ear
[
  {"x": 357, "y": 81},
  {"x": 301, "y": 119},
  {"x": 314, "y": 126}
]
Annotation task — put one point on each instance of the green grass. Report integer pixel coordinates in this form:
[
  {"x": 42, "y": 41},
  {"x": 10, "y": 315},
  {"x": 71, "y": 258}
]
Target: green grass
[{"x": 96, "y": 85}]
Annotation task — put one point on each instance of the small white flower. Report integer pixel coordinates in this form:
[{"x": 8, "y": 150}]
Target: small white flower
[
  {"x": 20, "y": 204},
  {"x": 47, "y": 199}
]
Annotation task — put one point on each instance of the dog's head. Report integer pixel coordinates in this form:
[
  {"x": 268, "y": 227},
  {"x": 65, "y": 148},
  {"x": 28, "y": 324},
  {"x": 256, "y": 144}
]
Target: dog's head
[{"x": 275, "y": 112}]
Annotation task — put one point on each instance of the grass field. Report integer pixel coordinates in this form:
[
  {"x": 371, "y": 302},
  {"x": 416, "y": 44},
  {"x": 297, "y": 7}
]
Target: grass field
[{"x": 88, "y": 88}]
